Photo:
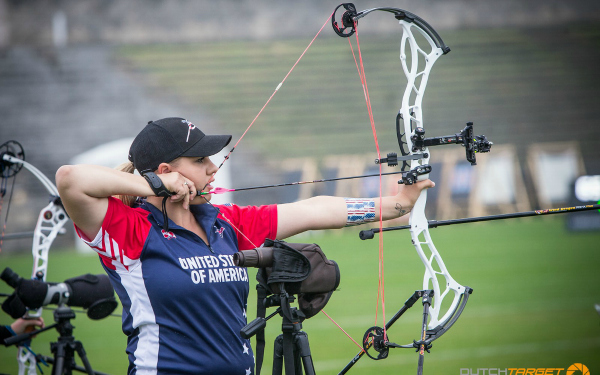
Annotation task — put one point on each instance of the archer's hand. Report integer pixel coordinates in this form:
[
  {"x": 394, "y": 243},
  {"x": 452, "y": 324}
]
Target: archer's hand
[
  {"x": 26, "y": 325},
  {"x": 408, "y": 194},
  {"x": 182, "y": 188}
]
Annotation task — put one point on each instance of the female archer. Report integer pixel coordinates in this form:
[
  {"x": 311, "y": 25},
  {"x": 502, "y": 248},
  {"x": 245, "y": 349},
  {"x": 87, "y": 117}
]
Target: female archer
[{"x": 169, "y": 255}]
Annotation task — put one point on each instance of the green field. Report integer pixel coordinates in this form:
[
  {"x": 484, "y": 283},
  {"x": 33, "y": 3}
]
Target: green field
[{"x": 535, "y": 286}]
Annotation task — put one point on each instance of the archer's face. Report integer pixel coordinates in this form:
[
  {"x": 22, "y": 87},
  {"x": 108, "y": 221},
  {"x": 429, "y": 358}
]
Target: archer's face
[{"x": 200, "y": 170}]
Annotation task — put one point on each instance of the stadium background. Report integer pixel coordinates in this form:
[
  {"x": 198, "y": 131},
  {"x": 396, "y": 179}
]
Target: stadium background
[{"x": 76, "y": 75}]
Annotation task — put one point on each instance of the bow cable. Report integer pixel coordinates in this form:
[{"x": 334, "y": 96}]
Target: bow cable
[
  {"x": 346, "y": 333},
  {"x": 254, "y": 120},
  {"x": 252, "y": 123},
  {"x": 4, "y": 184},
  {"x": 272, "y": 95},
  {"x": 363, "y": 80}
]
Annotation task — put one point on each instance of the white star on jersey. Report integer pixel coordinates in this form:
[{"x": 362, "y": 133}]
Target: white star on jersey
[
  {"x": 246, "y": 351},
  {"x": 245, "y": 313},
  {"x": 248, "y": 371}
]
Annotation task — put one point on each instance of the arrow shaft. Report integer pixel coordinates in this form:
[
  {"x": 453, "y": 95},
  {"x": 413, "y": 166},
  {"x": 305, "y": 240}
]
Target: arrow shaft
[{"x": 307, "y": 182}]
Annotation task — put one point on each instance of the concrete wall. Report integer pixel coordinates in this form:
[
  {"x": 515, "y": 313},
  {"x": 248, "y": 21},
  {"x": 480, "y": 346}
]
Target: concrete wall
[{"x": 142, "y": 21}]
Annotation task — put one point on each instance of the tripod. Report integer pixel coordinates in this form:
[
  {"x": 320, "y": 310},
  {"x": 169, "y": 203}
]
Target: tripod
[
  {"x": 64, "y": 349},
  {"x": 292, "y": 345}
]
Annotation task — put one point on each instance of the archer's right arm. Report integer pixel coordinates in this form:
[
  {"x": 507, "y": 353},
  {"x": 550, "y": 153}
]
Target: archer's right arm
[{"x": 84, "y": 190}]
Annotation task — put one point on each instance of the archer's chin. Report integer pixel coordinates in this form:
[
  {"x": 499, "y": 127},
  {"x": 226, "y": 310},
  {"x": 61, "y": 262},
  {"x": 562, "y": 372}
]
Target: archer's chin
[{"x": 201, "y": 199}]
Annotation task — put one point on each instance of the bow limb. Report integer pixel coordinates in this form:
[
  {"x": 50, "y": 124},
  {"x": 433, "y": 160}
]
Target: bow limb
[
  {"x": 417, "y": 71},
  {"x": 434, "y": 266},
  {"x": 417, "y": 75}
]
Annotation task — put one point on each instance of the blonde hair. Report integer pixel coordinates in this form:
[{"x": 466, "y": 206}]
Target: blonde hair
[{"x": 128, "y": 200}]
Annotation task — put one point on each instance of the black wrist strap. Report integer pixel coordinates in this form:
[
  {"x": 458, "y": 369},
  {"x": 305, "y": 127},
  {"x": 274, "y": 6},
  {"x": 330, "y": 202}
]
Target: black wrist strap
[{"x": 156, "y": 185}]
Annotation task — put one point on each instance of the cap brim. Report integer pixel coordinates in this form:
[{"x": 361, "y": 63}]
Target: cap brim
[{"x": 208, "y": 146}]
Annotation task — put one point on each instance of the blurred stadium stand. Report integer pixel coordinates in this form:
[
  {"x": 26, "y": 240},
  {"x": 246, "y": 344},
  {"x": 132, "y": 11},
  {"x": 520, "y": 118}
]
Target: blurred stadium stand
[{"x": 75, "y": 75}]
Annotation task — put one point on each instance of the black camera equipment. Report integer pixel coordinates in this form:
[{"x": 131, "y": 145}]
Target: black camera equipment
[
  {"x": 64, "y": 349},
  {"x": 285, "y": 270},
  {"x": 92, "y": 292}
]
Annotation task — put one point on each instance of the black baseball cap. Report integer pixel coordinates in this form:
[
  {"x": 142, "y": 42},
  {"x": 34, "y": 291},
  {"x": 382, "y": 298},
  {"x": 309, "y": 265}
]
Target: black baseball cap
[{"x": 165, "y": 140}]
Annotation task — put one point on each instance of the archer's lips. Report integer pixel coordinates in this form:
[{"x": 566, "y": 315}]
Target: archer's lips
[{"x": 209, "y": 186}]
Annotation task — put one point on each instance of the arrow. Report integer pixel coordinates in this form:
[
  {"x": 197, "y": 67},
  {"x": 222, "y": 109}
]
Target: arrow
[{"x": 224, "y": 190}]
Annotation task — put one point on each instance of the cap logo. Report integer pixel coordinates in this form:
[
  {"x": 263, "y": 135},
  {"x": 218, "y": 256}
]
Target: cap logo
[{"x": 190, "y": 127}]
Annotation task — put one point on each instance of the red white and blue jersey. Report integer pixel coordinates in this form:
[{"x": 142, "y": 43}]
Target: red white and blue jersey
[{"x": 184, "y": 301}]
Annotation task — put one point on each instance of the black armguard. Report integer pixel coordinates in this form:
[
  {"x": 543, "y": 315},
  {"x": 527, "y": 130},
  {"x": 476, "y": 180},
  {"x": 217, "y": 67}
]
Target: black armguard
[{"x": 156, "y": 185}]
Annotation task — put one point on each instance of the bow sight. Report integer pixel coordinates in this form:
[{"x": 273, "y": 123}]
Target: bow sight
[{"x": 472, "y": 143}]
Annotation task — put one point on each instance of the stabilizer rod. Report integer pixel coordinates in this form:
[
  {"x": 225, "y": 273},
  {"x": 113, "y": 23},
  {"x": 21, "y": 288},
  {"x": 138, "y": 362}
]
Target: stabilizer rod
[{"x": 370, "y": 233}]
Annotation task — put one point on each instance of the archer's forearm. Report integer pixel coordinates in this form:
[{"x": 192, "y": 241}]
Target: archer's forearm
[
  {"x": 99, "y": 182},
  {"x": 326, "y": 212}
]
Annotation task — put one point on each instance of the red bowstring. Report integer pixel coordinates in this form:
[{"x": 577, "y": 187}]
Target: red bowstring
[
  {"x": 346, "y": 333},
  {"x": 363, "y": 80},
  {"x": 4, "y": 226},
  {"x": 230, "y": 223},
  {"x": 246, "y": 131},
  {"x": 252, "y": 243},
  {"x": 368, "y": 101},
  {"x": 256, "y": 117},
  {"x": 274, "y": 92}
]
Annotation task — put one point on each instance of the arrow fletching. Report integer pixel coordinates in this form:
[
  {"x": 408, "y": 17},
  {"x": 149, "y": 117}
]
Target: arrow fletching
[{"x": 218, "y": 190}]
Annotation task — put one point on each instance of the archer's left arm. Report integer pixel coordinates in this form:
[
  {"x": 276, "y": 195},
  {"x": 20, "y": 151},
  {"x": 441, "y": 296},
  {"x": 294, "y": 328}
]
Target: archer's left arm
[{"x": 326, "y": 212}]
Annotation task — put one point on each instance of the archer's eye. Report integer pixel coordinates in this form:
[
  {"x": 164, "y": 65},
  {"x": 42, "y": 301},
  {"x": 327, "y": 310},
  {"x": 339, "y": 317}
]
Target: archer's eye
[{"x": 200, "y": 160}]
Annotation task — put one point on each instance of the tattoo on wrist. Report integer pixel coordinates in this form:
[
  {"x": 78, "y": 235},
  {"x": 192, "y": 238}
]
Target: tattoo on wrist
[{"x": 401, "y": 210}]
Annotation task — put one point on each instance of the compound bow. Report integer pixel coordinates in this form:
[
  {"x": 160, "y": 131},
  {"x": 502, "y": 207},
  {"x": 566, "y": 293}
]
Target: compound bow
[
  {"x": 417, "y": 58},
  {"x": 51, "y": 220}
]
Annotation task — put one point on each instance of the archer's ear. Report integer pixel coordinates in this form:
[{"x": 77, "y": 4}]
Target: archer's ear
[{"x": 164, "y": 168}]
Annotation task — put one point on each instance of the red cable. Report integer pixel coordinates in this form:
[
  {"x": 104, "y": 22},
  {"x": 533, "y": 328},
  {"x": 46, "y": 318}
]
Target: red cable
[
  {"x": 4, "y": 226},
  {"x": 346, "y": 333},
  {"x": 256, "y": 117},
  {"x": 274, "y": 92},
  {"x": 363, "y": 79}
]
